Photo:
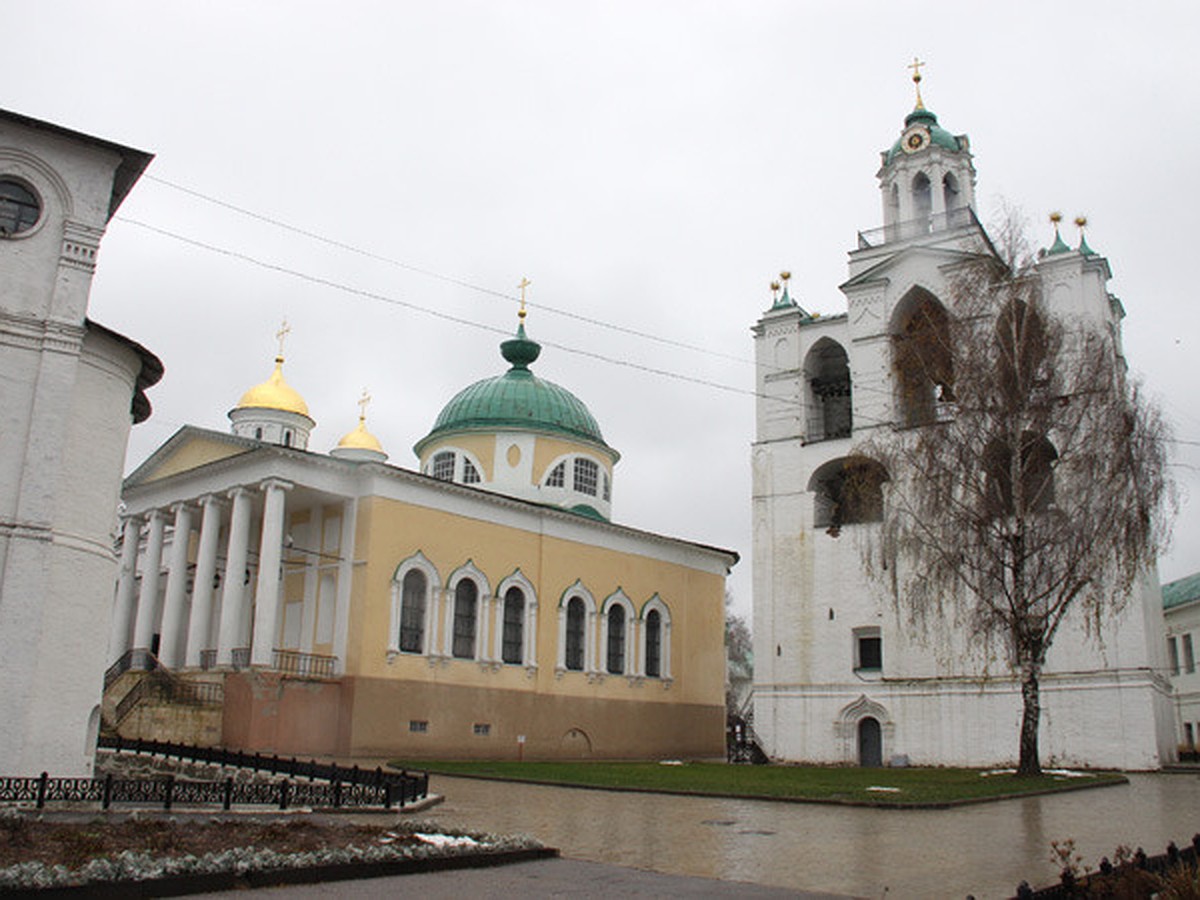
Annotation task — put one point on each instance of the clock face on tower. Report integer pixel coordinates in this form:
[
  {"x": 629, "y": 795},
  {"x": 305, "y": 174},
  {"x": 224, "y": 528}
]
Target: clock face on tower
[{"x": 916, "y": 138}]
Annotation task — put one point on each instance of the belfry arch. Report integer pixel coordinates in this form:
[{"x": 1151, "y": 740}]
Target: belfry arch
[
  {"x": 922, "y": 358},
  {"x": 827, "y": 380}
]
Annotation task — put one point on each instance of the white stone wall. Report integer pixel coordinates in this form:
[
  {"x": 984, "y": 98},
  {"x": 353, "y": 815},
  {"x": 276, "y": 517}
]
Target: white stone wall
[{"x": 1181, "y": 621}]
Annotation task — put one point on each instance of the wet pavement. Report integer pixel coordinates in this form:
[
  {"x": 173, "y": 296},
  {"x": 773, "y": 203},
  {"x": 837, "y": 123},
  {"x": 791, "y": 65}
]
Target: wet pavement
[{"x": 984, "y": 849}]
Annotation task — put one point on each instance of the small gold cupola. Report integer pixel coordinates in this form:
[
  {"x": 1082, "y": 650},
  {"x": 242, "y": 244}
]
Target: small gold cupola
[
  {"x": 360, "y": 444},
  {"x": 273, "y": 412}
]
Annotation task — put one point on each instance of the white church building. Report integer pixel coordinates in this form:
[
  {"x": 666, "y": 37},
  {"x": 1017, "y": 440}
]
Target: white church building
[{"x": 840, "y": 677}]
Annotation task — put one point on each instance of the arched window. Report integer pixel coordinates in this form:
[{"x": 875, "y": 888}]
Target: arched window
[
  {"x": 922, "y": 196},
  {"x": 558, "y": 475},
  {"x": 921, "y": 358},
  {"x": 576, "y": 629},
  {"x": 848, "y": 491},
  {"x": 827, "y": 371},
  {"x": 616, "y": 640},
  {"x": 466, "y": 600},
  {"x": 443, "y": 466},
  {"x": 587, "y": 475},
  {"x": 1034, "y": 475},
  {"x": 470, "y": 473},
  {"x": 412, "y": 611},
  {"x": 513, "y": 647},
  {"x": 19, "y": 207},
  {"x": 653, "y": 631},
  {"x": 258, "y": 433},
  {"x": 949, "y": 192}
]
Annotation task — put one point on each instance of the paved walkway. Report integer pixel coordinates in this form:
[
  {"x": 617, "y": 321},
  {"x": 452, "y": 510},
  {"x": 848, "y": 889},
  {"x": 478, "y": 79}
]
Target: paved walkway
[{"x": 542, "y": 878}]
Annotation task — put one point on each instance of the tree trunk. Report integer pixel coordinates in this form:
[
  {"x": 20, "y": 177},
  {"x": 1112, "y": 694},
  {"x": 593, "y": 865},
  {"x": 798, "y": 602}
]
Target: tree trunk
[{"x": 1030, "y": 764}]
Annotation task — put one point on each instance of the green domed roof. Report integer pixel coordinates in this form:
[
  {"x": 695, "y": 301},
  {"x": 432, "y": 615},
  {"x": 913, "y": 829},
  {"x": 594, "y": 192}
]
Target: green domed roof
[
  {"x": 519, "y": 400},
  {"x": 937, "y": 134}
]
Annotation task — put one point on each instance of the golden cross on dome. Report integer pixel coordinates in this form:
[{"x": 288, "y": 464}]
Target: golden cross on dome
[
  {"x": 362, "y": 405},
  {"x": 284, "y": 330},
  {"x": 916, "y": 65},
  {"x": 525, "y": 282}
]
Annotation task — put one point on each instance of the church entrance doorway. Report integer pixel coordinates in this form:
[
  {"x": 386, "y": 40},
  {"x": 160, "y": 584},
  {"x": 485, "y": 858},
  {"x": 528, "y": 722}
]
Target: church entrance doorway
[{"x": 870, "y": 743}]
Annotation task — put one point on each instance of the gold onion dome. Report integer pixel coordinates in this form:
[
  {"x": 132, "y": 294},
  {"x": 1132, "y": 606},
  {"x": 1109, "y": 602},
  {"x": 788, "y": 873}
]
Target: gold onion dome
[
  {"x": 274, "y": 393},
  {"x": 360, "y": 439}
]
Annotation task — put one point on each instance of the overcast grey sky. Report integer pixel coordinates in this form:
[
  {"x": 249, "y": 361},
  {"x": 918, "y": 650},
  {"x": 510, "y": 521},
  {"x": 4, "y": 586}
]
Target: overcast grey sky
[{"x": 647, "y": 164}]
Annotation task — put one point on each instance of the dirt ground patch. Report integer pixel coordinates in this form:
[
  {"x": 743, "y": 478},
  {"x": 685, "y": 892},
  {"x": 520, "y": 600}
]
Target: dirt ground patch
[{"x": 72, "y": 844}]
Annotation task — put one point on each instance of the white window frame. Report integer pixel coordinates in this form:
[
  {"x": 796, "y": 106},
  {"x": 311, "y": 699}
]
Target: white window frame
[
  {"x": 482, "y": 606},
  {"x": 664, "y": 643},
  {"x": 528, "y": 626},
  {"x": 628, "y": 662},
  {"x": 589, "y": 628},
  {"x": 433, "y": 584}
]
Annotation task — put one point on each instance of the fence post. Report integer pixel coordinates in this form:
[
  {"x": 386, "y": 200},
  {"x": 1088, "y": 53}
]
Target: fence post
[
  {"x": 283, "y": 793},
  {"x": 170, "y": 792},
  {"x": 41, "y": 795},
  {"x": 228, "y": 799},
  {"x": 337, "y": 794},
  {"x": 387, "y": 795},
  {"x": 106, "y": 801},
  {"x": 354, "y": 774}
]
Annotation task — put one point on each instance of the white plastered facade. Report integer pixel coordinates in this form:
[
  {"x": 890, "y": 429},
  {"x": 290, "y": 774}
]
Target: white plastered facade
[{"x": 936, "y": 699}]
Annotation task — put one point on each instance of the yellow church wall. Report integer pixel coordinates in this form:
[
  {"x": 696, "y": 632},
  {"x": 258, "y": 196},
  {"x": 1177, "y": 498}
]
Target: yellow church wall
[
  {"x": 197, "y": 451},
  {"x": 546, "y": 450},
  {"x": 626, "y": 715},
  {"x": 481, "y": 446},
  {"x": 390, "y": 532}
]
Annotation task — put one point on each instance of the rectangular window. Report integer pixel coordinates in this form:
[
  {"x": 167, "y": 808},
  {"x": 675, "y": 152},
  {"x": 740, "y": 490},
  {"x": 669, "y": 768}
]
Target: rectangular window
[
  {"x": 443, "y": 466},
  {"x": 482, "y": 729},
  {"x": 1172, "y": 656},
  {"x": 1189, "y": 656},
  {"x": 1189, "y": 735},
  {"x": 587, "y": 475},
  {"x": 418, "y": 726},
  {"x": 868, "y": 650}
]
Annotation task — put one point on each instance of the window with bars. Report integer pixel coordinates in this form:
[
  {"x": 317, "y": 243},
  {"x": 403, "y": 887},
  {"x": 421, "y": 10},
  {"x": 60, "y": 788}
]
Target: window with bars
[
  {"x": 653, "y": 644},
  {"x": 587, "y": 474},
  {"x": 557, "y": 476},
  {"x": 616, "y": 640},
  {"x": 466, "y": 597},
  {"x": 576, "y": 622},
  {"x": 412, "y": 611},
  {"x": 470, "y": 473},
  {"x": 514, "y": 626},
  {"x": 482, "y": 729},
  {"x": 443, "y": 466},
  {"x": 868, "y": 650}
]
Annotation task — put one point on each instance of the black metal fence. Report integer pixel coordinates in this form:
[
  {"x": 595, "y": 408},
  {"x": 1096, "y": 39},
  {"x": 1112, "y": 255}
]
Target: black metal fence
[
  {"x": 160, "y": 684},
  {"x": 409, "y": 786},
  {"x": 142, "y": 660},
  {"x": 1108, "y": 879},
  {"x": 171, "y": 791}
]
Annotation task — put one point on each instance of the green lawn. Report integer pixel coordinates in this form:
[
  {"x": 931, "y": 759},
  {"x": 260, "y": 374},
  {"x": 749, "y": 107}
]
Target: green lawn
[{"x": 818, "y": 783}]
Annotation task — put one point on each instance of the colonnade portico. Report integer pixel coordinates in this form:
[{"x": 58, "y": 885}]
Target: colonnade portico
[{"x": 211, "y": 612}]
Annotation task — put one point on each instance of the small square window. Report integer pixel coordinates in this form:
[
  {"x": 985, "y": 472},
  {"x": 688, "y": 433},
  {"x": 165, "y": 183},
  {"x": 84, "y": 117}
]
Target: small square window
[
  {"x": 482, "y": 729},
  {"x": 418, "y": 726},
  {"x": 868, "y": 650}
]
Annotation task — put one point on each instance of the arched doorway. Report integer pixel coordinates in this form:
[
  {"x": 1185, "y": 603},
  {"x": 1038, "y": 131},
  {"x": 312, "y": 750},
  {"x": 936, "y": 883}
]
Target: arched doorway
[{"x": 870, "y": 743}]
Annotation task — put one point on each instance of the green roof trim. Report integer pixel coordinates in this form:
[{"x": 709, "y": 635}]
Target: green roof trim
[
  {"x": 1185, "y": 590},
  {"x": 590, "y": 512},
  {"x": 517, "y": 400}
]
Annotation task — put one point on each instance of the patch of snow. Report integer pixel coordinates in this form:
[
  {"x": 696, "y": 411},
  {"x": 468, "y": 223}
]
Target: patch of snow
[
  {"x": 446, "y": 840},
  {"x": 670, "y": 762},
  {"x": 881, "y": 788}
]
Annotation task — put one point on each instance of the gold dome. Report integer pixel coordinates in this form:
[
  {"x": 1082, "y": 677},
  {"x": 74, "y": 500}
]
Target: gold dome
[
  {"x": 274, "y": 393},
  {"x": 360, "y": 439}
]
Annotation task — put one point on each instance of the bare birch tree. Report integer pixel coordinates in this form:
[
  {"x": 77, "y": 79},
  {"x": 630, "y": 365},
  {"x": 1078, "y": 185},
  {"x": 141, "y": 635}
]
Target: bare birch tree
[{"x": 1027, "y": 473}]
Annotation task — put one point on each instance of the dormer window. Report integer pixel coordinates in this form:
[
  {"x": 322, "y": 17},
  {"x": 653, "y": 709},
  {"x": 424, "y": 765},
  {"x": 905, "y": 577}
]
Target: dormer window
[
  {"x": 443, "y": 466},
  {"x": 587, "y": 474}
]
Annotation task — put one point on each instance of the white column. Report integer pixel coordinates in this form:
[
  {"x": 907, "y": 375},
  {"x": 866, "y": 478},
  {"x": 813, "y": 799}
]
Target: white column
[
  {"x": 270, "y": 555},
  {"x": 561, "y": 658},
  {"x": 312, "y": 578},
  {"x": 448, "y": 622},
  {"x": 531, "y": 630},
  {"x": 143, "y": 631},
  {"x": 497, "y": 641},
  {"x": 345, "y": 585},
  {"x": 486, "y": 612},
  {"x": 170, "y": 648},
  {"x": 589, "y": 655},
  {"x": 124, "y": 608},
  {"x": 232, "y": 590},
  {"x": 202, "y": 586}
]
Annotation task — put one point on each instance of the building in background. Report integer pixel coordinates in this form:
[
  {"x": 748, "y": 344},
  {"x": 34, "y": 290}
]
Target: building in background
[
  {"x": 1181, "y": 609},
  {"x": 71, "y": 390},
  {"x": 839, "y": 676},
  {"x": 308, "y": 603}
]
